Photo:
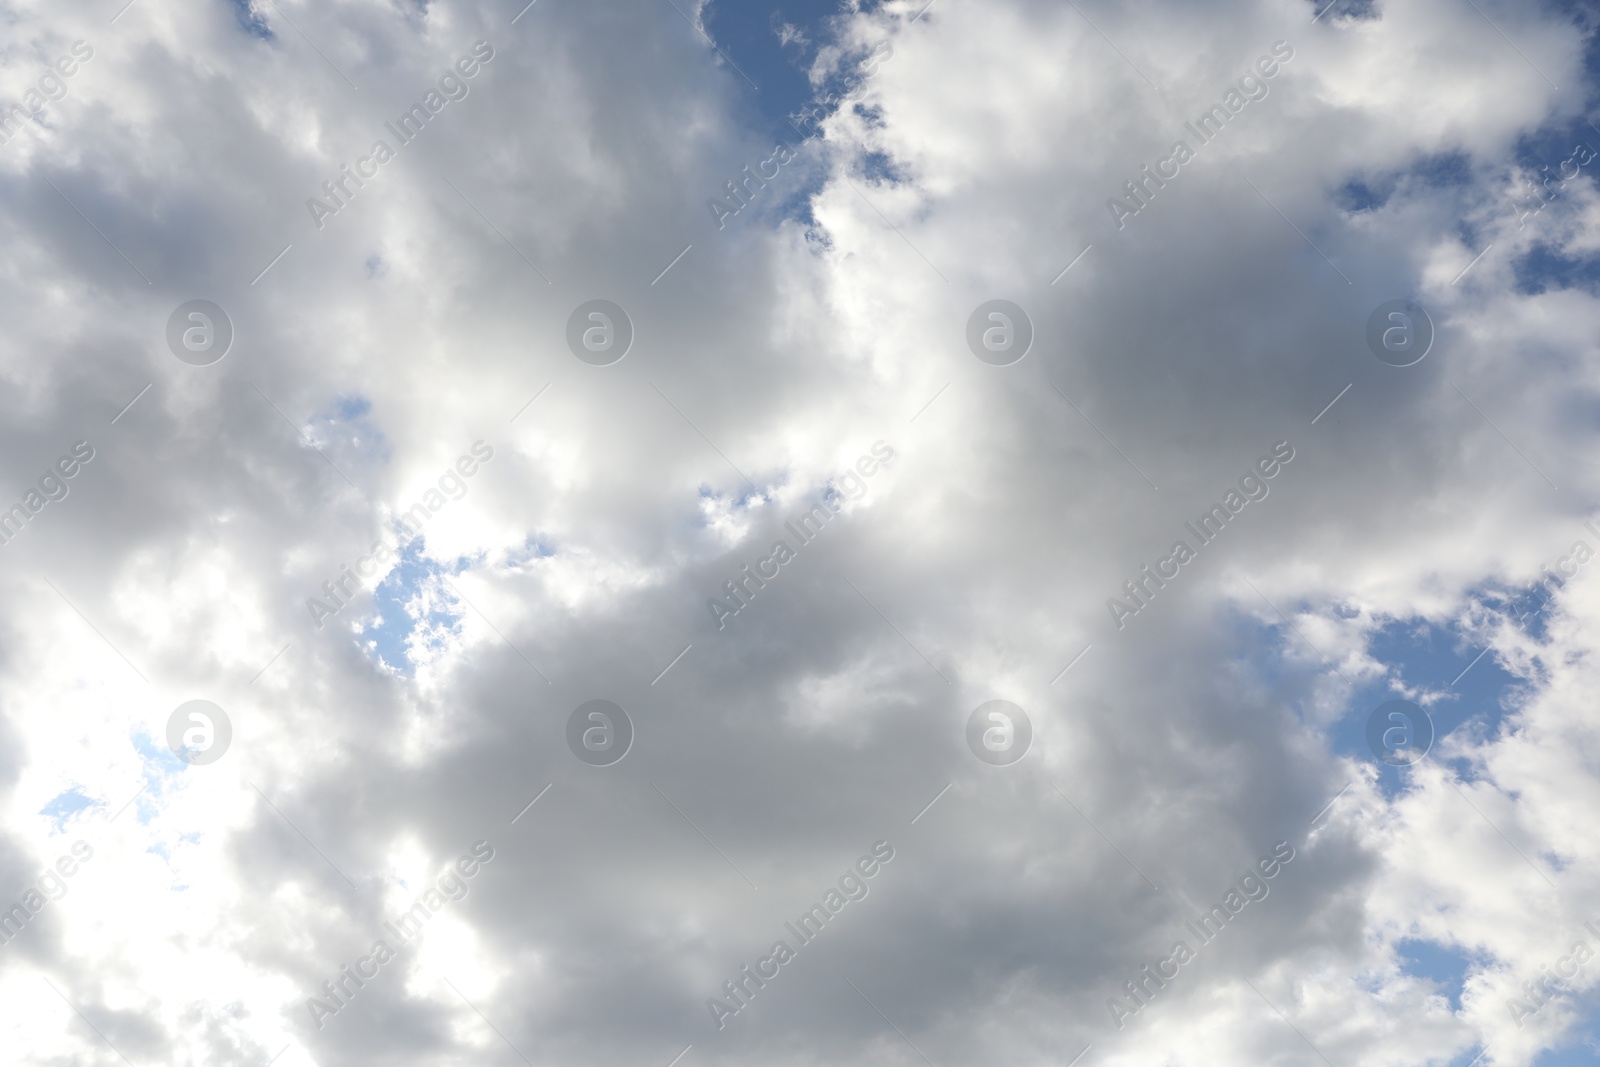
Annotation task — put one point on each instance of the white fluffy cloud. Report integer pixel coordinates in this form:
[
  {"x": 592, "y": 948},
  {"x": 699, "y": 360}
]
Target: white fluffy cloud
[{"x": 809, "y": 336}]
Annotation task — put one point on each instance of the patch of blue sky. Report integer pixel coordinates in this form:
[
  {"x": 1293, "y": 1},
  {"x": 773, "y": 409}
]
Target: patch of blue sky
[
  {"x": 348, "y": 430},
  {"x": 250, "y": 21},
  {"x": 161, "y": 765},
  {"x": 776, "y": 46},
  {"x": 1364, "y": 193},
  {"x": 533, "y": 547},
  {"x": 879, "y": 167},
  {"x": 1528, "y": 607},
  {"x": 413, "y": 609},
  {"x": 1582, "y": 1047},
  {"x": 1544, "y": 269},
  {"x": 1420, "y": 658},
  {"x": 751, "y": 497},
  {"x": 1372, "y": 190},
  {"x": 746, "y": 499},
  {"x": 64, "y": 805},
  {"x": 348, "y": 435},
  {"x": 1446, "y": 967},
  {"x": 1434, "y": 664},
  {"x": 1556, "y": 158},
  {"x": 1339, "y": 10},
  {"x": 1442, "y": 670}
]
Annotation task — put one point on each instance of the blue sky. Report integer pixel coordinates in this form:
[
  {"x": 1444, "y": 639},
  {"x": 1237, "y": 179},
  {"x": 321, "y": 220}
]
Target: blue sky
[{"x": 750, "y": 34}]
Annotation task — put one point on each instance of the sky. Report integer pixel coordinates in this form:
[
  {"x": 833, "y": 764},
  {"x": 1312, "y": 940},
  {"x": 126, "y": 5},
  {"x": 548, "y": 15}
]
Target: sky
[{"x": 685, "y": 533}]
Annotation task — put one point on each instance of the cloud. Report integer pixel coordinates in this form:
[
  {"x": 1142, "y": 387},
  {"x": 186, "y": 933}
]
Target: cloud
[{"x": 769, "y": 355}]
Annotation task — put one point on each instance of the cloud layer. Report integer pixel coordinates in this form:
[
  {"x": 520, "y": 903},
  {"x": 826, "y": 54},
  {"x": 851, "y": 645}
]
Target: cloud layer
[{"x": 419, "y": 514}]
